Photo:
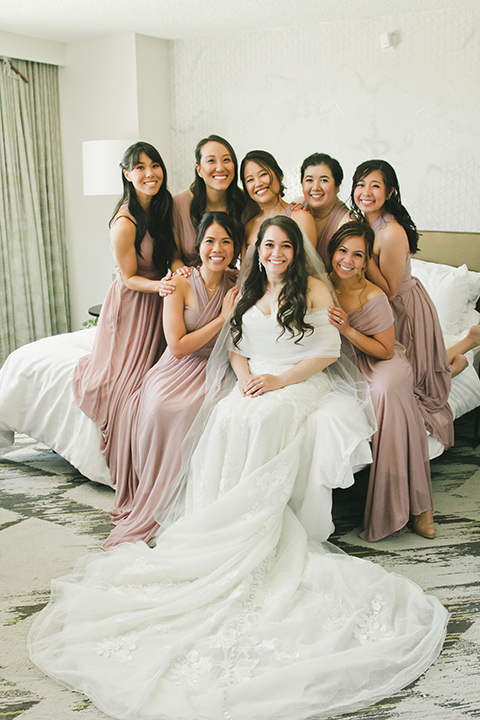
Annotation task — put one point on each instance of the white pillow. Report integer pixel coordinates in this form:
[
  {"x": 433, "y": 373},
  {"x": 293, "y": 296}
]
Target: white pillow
[
  {"x": 474, "y": 289},
  {"x": 453, "y": 291}
]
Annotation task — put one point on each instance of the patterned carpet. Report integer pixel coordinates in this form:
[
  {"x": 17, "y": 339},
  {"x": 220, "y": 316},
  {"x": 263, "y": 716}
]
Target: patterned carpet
[{"x": 50, "y": 515}]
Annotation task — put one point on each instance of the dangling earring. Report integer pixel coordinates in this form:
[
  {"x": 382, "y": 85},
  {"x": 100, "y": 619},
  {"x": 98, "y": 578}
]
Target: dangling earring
[{"x": 260, "y": 266}]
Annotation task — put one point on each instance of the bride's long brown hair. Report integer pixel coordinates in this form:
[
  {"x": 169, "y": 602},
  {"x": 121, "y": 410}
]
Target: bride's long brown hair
[{"x": 292, "y": 301}]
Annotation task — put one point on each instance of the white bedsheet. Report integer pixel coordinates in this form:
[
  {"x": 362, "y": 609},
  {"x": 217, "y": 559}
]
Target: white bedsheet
[
  {"x": 36, "y": 398},
  {"x": 464, "y": 395}
]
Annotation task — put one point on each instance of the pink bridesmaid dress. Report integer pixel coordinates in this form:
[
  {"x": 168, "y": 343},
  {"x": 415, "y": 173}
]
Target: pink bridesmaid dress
[
  {"x": 399, "y": 483},
  {"x": 155, "y": 422},
  {"x": 418, "y": 329},
  {"x": 128, "y": 343}
]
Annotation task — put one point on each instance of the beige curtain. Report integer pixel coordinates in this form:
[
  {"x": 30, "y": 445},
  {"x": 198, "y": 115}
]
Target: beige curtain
[{"x": 34, "y": 300}]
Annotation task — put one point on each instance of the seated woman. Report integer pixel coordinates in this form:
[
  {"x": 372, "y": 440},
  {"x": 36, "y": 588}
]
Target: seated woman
[
  {"x": 234, "y": 614},
  {"x": 399, "y": 484},
  {"x": 321, "y": 177},
  {"x": 375, "y": 196},
  {"x": 262, "y": 179},
  {"x": 130, "y": 336},
  {"x": 157, "y": 418}
]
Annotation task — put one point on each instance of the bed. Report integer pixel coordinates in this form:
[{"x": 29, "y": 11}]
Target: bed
[{"x": 36, "y": 380}]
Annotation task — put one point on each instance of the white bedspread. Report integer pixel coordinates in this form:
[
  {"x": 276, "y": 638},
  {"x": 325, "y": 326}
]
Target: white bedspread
[{"x": 36, "y": 398}]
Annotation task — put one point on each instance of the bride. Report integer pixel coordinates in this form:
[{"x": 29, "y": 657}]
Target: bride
[{"x": 236, "y": 614}]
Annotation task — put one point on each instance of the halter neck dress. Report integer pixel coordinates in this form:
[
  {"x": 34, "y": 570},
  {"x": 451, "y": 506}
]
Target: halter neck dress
[
  {"x": 129, "y": 341},
  {"x": 418, "y": 329}
]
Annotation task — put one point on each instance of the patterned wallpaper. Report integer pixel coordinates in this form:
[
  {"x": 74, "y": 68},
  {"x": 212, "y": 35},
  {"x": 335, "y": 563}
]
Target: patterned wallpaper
[{"x": 331, "y": 88}]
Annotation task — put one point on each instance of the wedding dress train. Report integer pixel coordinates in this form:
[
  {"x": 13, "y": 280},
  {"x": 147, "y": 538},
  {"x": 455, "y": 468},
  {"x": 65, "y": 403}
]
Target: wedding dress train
[{"x": 236, "y": 614}]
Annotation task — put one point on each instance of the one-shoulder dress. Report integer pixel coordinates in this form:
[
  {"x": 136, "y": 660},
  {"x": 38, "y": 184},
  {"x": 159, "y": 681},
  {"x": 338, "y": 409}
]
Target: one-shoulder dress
[
  {"x": 128, "y": 343},
  {"x": 156, "y": 420},
  {"x": 399, "y": 483},
  {"x": 418, "y": 329},
  {"x": 235, "y": 614}
]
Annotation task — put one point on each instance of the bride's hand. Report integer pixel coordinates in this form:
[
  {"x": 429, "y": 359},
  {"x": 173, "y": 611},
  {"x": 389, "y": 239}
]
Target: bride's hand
[{"x": 261, "y": 384}]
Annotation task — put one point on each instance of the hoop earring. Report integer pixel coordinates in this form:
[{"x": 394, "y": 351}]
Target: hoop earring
[{"x": 260, "y": 266}]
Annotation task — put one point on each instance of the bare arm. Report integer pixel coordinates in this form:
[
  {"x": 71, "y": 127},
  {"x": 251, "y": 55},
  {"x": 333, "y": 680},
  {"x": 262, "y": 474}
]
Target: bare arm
[
  {"x": 318, "y": 297},
  {"x": 122, "y": 240},
  {"x": 381, "y": 345},
  {"x": 180, "y": 341},
  {"x": 392, "y": 246},
  {"x": 307, "y": 223},
  {"x": 241, "y": 369}
]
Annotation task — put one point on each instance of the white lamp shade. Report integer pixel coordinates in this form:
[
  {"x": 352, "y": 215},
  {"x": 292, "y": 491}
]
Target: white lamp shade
[{"x": 101, "y": 166}]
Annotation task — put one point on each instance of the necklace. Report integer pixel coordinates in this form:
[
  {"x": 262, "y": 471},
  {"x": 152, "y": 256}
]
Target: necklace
[{"x": 212, "y": 290}]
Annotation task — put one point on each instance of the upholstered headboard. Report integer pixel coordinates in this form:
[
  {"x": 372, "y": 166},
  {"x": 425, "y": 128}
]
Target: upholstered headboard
[{"x": 450, "y": 248}]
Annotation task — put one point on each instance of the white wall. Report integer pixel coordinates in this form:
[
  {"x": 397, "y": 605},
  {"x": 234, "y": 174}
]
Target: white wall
[
  {"x": 104, "y": 95},
  {"x": 326, "y": 88},
  {"x": 330, "y": 88},
  {"x": 34, "y": 49},
  {"x": 153, "y": 96},
  {"x": 112, "y": 87}
]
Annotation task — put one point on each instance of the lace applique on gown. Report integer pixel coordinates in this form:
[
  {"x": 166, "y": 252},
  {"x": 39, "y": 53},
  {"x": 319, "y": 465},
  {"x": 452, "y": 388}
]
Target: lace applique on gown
[{"x": 235, "y": 615}]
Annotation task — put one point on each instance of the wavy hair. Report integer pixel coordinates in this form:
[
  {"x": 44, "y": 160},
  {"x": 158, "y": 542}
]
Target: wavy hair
[
  {"x": 235, "y": 198},
  {"x": 323, "y": 159},
  {"x": 158, "y": 220},
  {"x": 292, "y": 301},
  {"x": 232, "y": 228},
  {"x": 393, "y": 203}
]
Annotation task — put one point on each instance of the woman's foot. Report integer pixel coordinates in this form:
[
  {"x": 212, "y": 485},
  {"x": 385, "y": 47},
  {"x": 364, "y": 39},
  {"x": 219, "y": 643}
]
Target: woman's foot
[
  {"x": 459, "y": 363},
  {"x": 423, "y": 524}
]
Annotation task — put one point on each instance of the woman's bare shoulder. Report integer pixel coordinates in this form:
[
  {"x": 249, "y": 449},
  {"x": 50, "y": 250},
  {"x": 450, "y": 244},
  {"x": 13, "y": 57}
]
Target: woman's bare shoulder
[
  {"x": 373, "y": 290},
  {"x": 319, "y": 294}
]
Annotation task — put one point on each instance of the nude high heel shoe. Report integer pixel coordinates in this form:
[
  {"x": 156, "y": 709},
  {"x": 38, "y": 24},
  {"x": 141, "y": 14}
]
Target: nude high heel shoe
[{"x": 423, "y": 524}]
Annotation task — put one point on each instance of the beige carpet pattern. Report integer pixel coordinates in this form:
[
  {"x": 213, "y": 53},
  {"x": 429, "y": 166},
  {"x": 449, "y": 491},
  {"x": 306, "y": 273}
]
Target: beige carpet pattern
[{"x": 50, "y": 516}]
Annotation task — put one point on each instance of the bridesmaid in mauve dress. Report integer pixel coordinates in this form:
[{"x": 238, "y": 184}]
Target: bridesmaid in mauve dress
[
  {"x": 399, "y": 484},
  {"x": 214, "y": 189},
  {"x": 321, "y": 177},
  {"x": 262, "y": 179},
  {"x": 376, "y": 196},
  {"x": 157, "y": 418},
  {"x": 130, "y": 337}
]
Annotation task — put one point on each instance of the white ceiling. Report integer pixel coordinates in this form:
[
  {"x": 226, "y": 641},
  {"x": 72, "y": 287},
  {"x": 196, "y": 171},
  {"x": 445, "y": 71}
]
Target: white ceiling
[{"x": 69, "y": 20}]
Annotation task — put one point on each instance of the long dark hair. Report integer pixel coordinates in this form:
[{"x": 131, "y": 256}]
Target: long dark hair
[
  {"x": 235, "y": 197},
  {"x": 232, "y": 228},
  {"x": 355, "y": 228},
  {"x": 158, "y": 221},
  {"x": 393, "y": 204},
  {"x": 292, "y": 301},
  {"x": 268, "y": 163},
  {"x": 323, "y": 159}
]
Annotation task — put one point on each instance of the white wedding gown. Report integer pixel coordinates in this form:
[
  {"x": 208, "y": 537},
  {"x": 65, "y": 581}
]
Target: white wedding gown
[{"x": 235, "y": 614}]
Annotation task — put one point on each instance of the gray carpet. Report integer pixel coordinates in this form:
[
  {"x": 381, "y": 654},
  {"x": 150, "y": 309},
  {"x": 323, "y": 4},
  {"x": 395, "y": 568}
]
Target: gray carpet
[{"x": 50, "y": 516}]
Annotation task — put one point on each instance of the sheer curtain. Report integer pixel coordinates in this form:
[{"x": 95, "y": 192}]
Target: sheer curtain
[{"x": 34, "y": 300}]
